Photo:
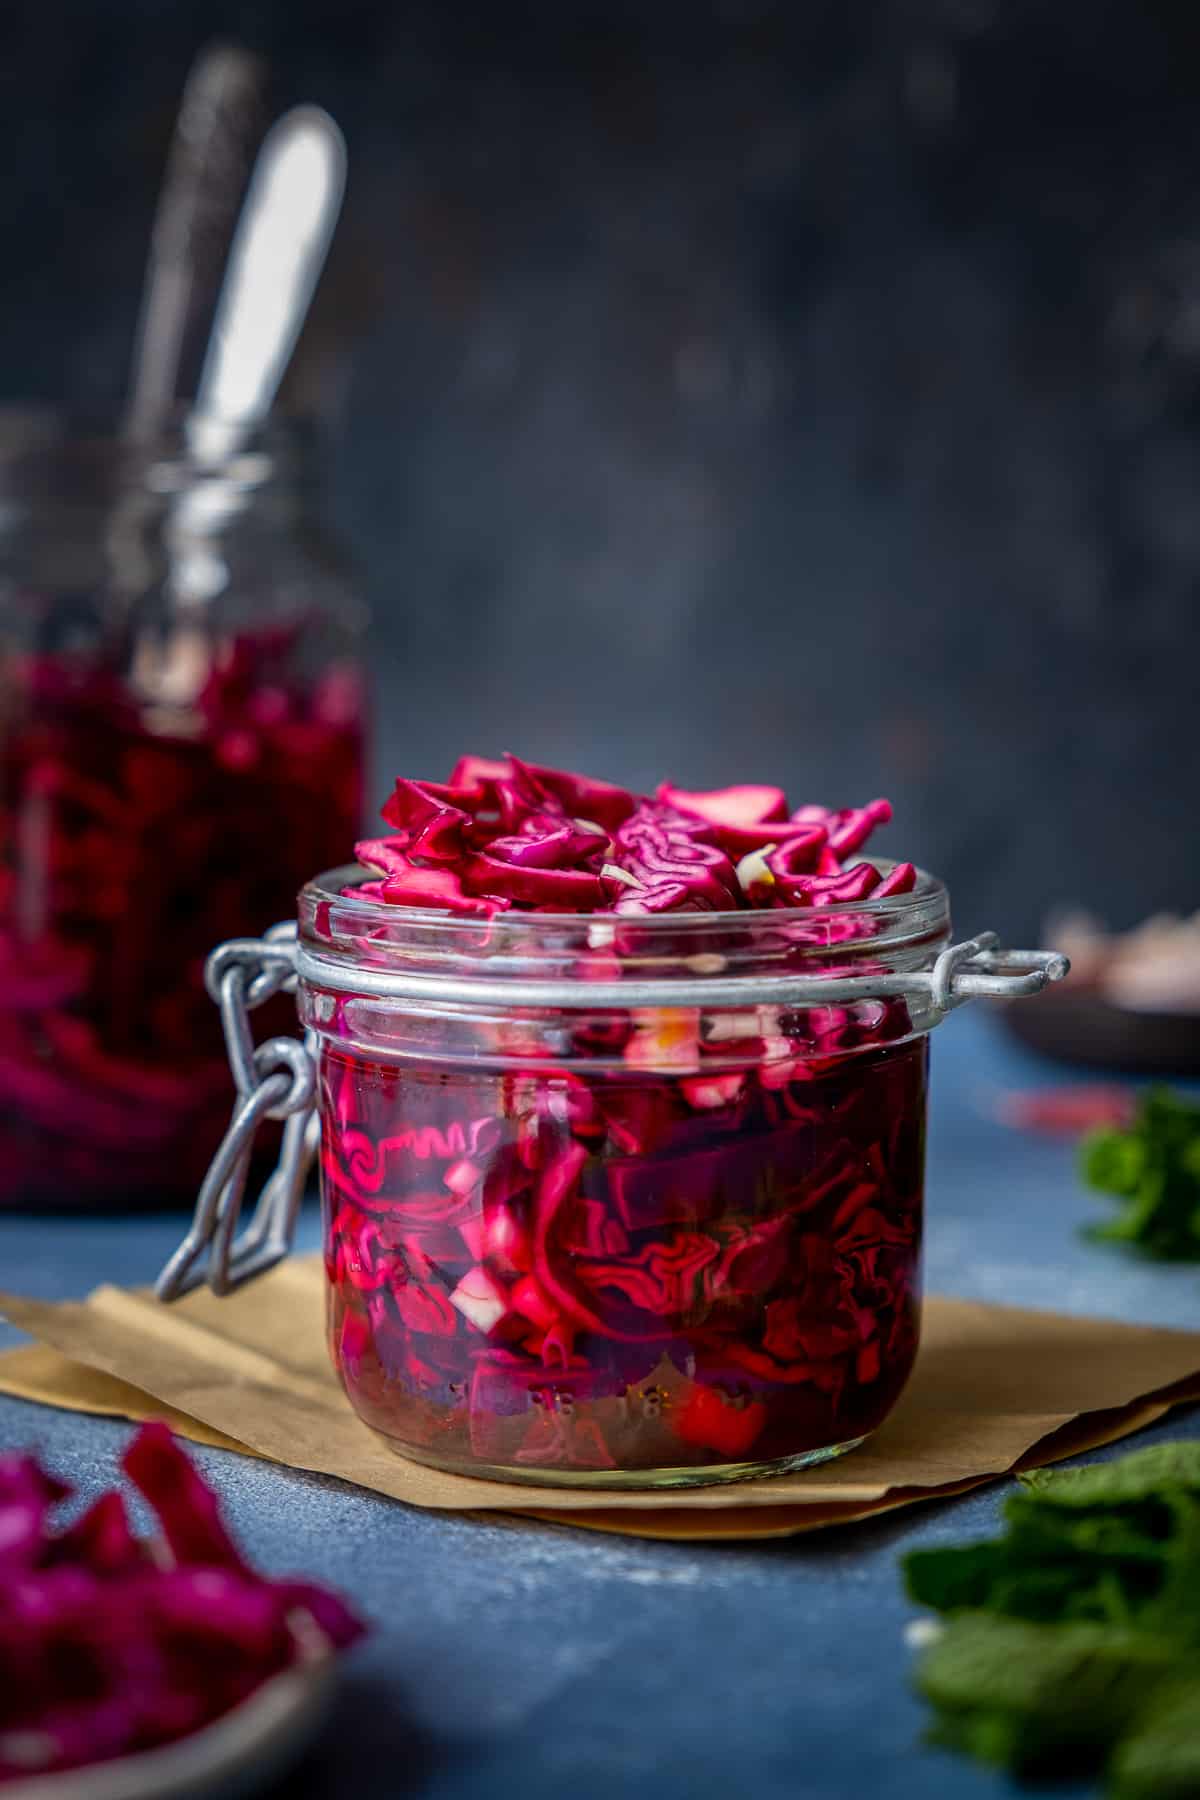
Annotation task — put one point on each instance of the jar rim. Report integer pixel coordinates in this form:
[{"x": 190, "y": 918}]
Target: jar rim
[
  {"x": 422, "y": 948},
  {"x": 331, "y": 885},
  {"x": 49, "y": 453}
]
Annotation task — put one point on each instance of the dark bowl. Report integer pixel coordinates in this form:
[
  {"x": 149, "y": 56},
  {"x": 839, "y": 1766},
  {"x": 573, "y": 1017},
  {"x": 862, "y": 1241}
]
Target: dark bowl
[{"x": 1086, "y": 1029}]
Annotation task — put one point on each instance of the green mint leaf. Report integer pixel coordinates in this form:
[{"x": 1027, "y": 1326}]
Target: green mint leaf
[
  {"x": 1142, "y": 1475},
  {"x": 1153, "y": 1170},
  {"x": 1175, "y": 1609},
  {"x": 1159, "y": 1759},
  {"x": 1073, "y": 1641},
  {"x": 949, "y": 1580},
  {"x": 1040, "y": 1698}
]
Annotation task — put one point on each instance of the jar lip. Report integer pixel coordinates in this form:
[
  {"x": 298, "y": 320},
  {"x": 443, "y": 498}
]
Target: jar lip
[
  {"x": 901, "y": 932},
  {"x": 330, "y": 885},
  {"x": 46, "y": 453}
]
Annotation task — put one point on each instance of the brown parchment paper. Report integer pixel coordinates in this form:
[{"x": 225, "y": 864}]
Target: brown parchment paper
[{"x": 994, "y": 1389}]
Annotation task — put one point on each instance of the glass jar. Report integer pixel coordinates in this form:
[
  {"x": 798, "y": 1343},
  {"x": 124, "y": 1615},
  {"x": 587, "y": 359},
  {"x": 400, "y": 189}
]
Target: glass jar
[
  {"x": 181, "y": 743},
  {"x": 614, "y": 1201}
]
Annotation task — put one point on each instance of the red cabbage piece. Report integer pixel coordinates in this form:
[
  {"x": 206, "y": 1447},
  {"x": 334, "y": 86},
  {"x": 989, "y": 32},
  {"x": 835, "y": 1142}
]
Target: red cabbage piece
[
  {"x": 478, "y": 775},
  {"x": 825, "y": 890},
  {"x": 580, "y": 796},
  {"x": 729, "y": 806},
  {"x": 549, "y": 889},
  {"x": 27, "y": 1494},
  {"x": 101, "y": 1538},
  {"x": 333, "y": 1618},
  {"x": 900, "y": 880},
  {"x": 442, "y": 888},
  {"x": 714, "y": 1422},
  {"x": 549, "y": 845},
  {"x": 672, "y": 869},
  {"x": 109, "y": 1645},
  {"x": 737, "y": 820},
  {"x": 848, "y": 831},
  {"x": 186, "y": 1506},
  {"x": 797, "y": 854},
  {"x": 387, "y": 855},
  {"x": 428, "y": 815}
]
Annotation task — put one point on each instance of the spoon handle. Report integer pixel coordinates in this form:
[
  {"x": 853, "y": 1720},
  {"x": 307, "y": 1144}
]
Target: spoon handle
[
  {"x": 219, "y": 125},
  {"x": 278, "y": 252}
]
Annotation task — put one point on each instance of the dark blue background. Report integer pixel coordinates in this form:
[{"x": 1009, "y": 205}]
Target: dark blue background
[{"x": 743, "y": 390}]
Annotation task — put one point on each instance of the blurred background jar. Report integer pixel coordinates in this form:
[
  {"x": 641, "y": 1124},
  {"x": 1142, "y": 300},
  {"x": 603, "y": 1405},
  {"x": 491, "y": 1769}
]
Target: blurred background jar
[{"x": 181, "y": 744}]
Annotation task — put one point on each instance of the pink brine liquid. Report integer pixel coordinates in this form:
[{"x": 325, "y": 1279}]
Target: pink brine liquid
[
  {"x": 580, "y": 1275},
  {"x": 137, "y": 836}
]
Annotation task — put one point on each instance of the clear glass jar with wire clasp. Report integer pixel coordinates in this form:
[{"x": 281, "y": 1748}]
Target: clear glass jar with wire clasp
[
  {"x": 613, "y": 1201},
  {"x": 181, "y": 743}
]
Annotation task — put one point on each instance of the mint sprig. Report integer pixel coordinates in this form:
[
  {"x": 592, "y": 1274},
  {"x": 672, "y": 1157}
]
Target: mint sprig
[
  {"x": 1153, "y": 1170},
  {"x": 1073, "y": 1642}
]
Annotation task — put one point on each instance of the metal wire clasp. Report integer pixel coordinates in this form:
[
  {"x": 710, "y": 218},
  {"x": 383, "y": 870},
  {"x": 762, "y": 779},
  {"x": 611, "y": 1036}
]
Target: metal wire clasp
[{"x": 275, "y": 1080}]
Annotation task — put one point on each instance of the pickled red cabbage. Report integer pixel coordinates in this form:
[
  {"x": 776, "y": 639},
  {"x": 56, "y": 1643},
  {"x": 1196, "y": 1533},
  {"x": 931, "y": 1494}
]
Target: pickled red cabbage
[
  {"x": 609, "y": 1299},
  {"x": 135, "y": 837},
  {"x": 686, "y": 1241},
  {"x": 109, "y": 1645},
  {"x": 505, "y": 834}
]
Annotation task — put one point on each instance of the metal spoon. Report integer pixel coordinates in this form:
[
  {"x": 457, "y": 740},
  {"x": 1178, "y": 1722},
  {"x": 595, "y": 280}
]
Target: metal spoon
[
  {"x": 278, "y": 252},
  {"x": 219, "y": 126}
]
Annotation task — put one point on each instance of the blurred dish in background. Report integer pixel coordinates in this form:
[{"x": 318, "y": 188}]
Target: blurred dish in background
[
  {"x": 1154, "y": 968},
  {"x": 1133, "y": 1000}
]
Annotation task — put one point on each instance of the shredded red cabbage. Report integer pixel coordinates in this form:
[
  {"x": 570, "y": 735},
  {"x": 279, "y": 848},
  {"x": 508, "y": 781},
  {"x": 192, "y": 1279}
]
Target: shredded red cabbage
[
  {"x": 694, "y": 1241},
  {"x": 509, "y": 834},
  {"x": 110, "y": 1645},
  {"x": 766, "y": 1247},
  {"x": 135, "y": 837}
]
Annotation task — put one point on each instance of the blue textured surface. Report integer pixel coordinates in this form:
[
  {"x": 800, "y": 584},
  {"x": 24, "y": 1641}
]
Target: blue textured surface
[{"x": 517, "y": 1658}]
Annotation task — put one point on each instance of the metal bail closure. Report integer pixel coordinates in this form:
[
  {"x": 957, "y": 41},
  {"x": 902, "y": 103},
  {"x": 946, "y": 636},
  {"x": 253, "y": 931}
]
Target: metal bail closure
[
  {"x": 275, "y": 1081},
  {"x": 974, "y": 968}
]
